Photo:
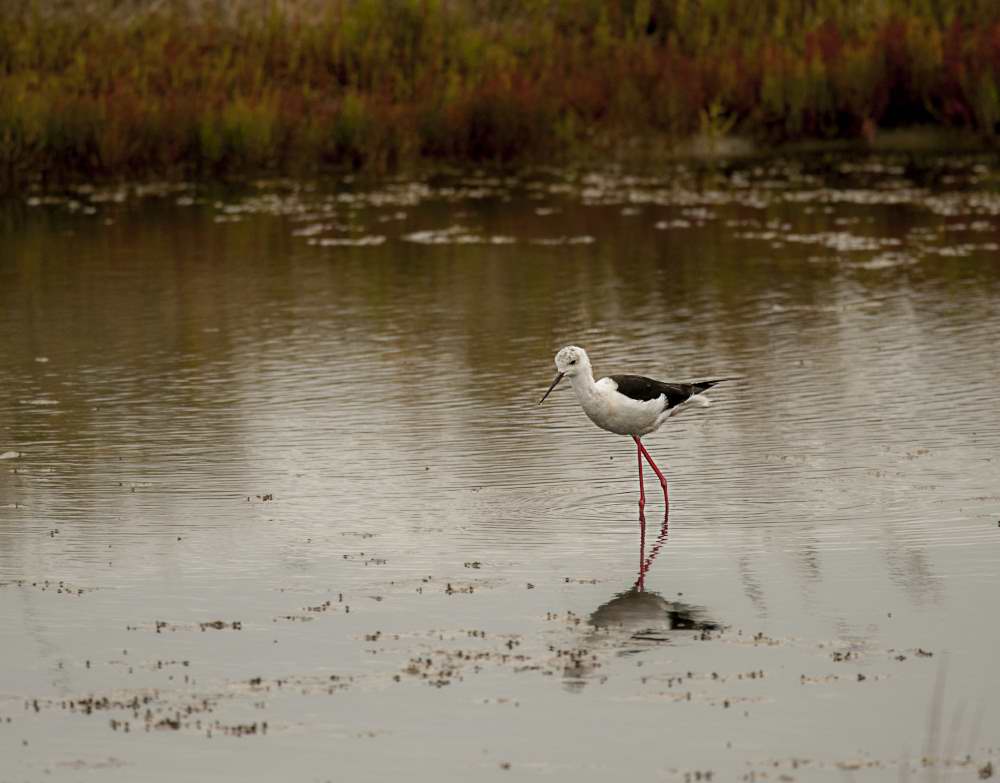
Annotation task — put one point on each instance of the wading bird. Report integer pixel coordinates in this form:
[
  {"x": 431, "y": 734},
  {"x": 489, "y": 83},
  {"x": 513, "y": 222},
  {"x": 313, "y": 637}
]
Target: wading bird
[{"x": 628, "y": 404}]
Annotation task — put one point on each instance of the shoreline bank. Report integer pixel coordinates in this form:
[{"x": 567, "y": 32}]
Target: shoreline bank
[{"x": 285, "y": 89}]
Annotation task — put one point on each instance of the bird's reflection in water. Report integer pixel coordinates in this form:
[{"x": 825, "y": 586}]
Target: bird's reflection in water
[{"x": 635, "y": 620}]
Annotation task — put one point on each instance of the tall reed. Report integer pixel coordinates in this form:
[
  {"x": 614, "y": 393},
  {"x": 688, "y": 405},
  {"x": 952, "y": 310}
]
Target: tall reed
[{"x": 187, "y": 88}]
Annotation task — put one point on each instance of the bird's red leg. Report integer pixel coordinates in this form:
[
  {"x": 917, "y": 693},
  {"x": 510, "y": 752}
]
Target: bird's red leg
[
  {"x": 642, "y": 490},
  {"x": 659, "y": 475}
]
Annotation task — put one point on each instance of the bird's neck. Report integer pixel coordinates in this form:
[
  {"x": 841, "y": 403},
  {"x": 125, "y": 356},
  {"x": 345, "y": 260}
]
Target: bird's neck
[{"x": 583, "y": 383}]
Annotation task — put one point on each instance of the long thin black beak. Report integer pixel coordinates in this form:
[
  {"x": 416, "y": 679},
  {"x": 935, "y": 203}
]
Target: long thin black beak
[{"x": 559, "y": 377}]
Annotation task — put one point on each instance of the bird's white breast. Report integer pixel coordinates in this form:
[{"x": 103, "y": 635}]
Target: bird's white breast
[{"x": 611, "y": 410}]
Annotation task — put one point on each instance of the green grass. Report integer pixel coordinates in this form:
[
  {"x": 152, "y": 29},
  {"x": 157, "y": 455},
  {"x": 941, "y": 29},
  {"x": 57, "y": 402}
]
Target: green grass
[{"x": 119, "y": 91}]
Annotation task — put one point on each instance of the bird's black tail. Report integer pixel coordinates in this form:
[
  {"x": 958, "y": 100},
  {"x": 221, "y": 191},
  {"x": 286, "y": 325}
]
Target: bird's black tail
[{"x": 701, "y": 386}]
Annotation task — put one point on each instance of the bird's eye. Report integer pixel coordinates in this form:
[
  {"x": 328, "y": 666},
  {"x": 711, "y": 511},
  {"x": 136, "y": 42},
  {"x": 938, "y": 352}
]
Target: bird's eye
[{"x": 573, "y": 362}]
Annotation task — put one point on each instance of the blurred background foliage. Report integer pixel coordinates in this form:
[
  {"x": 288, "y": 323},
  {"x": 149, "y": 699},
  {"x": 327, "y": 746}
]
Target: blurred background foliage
[{"x": 184, "y": 88}]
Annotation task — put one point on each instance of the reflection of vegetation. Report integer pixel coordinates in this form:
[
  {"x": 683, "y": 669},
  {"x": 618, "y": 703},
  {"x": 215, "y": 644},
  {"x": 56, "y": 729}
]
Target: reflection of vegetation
[{"x": 371, "y": 84}]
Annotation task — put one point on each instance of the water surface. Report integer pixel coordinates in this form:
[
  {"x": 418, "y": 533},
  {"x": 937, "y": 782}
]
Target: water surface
[{"x": 276, "y": 497}]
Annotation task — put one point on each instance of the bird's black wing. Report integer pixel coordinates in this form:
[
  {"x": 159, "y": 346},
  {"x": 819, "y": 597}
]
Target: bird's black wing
[{"x": 643, "y": 389}]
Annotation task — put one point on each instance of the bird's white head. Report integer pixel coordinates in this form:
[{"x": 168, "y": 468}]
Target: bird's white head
[{"x": 570, "y": 362}]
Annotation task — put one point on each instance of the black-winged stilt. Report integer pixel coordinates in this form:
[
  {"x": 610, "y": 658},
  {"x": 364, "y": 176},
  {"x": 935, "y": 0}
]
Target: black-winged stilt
[{"x": 628, "y": 404}]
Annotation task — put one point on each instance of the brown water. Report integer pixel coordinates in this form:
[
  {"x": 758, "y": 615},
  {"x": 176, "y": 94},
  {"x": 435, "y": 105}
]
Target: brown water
[{"x": 309, "y": 413}]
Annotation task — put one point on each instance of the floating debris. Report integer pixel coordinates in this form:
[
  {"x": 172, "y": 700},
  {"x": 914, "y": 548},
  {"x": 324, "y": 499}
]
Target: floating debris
[
  {"x": 365, "y": 241},
  {"x": 455, "y": 235}
]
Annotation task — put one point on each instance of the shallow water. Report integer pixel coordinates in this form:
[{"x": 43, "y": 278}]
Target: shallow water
[{"x": 276, "y": 497}]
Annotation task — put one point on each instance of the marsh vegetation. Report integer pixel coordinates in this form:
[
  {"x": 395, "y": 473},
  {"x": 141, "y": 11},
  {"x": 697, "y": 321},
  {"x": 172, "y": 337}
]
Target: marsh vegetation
[{"x": 113, "y": 89}]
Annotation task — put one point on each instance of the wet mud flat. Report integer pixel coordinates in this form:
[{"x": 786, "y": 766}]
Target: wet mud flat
[{"x": 276, "y": 498}]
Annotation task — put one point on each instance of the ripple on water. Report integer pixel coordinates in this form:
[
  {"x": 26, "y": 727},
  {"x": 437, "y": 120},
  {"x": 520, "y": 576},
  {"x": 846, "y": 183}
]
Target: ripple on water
[{"x": 303, "y": 446}]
